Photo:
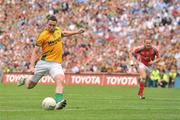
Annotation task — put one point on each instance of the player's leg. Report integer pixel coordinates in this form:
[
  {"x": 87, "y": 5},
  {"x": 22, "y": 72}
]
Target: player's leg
[
  {"x": 61, "y": 103},
  {"x": 40, "y": 69},
  {"x": 57, "y": 74},
  {"x": 31, "y": 83},
  {"x": 142, "y": 81},
  {"x": 59, "y": 87}
]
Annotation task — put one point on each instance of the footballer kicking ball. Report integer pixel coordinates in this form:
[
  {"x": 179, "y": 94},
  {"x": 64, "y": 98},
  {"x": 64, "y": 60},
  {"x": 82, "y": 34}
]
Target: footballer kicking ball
[{"x": 48, "y": 103}]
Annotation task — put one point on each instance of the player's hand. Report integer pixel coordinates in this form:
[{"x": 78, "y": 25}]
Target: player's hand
[
  {"x": 31, "y": 69},
  {"x": 133, "y": 63},
  {"x": 152, "y": 62},
  {"x": 81, "y": 31}
]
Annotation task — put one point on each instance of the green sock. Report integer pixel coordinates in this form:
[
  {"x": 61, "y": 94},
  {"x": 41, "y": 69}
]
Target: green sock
[{"x": 58, "y": 97}]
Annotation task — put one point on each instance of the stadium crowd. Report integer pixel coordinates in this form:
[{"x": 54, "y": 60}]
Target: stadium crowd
[{"x": 113, "y": 28}]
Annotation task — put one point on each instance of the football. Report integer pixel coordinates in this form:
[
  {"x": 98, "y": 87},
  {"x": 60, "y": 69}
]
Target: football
[{"x": 48, "y": 103}]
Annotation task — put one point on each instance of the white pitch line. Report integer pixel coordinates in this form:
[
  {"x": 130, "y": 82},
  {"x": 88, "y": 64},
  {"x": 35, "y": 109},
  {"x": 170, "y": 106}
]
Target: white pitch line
[
  {"x": 74, "y": 109},
  {"x": 112, "y": 98}
]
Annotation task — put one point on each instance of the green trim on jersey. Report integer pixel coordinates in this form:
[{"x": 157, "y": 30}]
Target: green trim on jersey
[{"x": 43, "y": 57}]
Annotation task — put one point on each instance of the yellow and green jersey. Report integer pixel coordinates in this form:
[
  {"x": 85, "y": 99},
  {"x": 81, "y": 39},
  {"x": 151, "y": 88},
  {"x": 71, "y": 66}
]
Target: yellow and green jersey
[{"x": 51, "y": 44}]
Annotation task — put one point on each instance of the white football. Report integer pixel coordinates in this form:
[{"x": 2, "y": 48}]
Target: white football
[{"x": 48, "y": 103}]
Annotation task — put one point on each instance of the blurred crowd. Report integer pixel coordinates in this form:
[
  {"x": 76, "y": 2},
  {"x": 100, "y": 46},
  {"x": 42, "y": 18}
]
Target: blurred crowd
[{"x": 113, "y": 28}]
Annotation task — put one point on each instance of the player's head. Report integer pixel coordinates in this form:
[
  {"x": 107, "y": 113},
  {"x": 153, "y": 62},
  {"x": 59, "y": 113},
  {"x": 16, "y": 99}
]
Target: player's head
[
  {"x": 51, "y": 23},
  {"x": 147, "y": 43}
]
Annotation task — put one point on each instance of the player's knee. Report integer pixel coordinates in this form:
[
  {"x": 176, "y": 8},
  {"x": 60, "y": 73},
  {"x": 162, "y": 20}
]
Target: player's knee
[
  {"x": 59, "y": 78},
  {"x": 143, "y": 75},
  {"x": 59, "y": 82}
]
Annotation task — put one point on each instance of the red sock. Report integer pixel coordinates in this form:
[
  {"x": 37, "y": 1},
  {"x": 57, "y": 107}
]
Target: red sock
[{"x": 141, "y": 89}]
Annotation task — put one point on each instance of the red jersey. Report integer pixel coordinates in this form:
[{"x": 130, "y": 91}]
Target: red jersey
[{"x": 145, "y": 55}]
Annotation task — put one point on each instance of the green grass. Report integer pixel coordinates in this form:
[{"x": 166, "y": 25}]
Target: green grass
[{"x": 90, "y": 103}]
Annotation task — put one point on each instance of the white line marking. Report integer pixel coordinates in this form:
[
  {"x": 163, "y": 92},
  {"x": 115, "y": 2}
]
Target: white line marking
[{"x": 81, "y": 109}]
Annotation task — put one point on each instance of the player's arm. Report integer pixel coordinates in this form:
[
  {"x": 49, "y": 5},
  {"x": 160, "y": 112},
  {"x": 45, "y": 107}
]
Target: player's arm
[
  {"x": 157, "y": 58},
  {"x": 133, "y": 54},
  {"x": 33, "y": 58},
  {"x": 35, "y": 50},
  {"x": 131, "y": 57},
  {"x": 70, "y": 33},
  {"x": 155, "y": 61}
]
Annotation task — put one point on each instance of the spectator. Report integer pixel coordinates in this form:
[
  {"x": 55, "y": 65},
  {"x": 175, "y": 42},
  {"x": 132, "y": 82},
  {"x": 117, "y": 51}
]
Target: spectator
[
  {"x": 164, "y": 80},
  {"x": 154, "y": 78},
  {"x": 113, "y": 28},
  {"x": 1, "y": 75},
  {"x": 172, "y": 77}
]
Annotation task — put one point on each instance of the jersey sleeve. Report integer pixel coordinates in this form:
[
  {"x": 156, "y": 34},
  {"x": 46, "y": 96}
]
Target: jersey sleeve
[
  {"x": 40, "y": 40},
  {"x": 135, "y": 51}
]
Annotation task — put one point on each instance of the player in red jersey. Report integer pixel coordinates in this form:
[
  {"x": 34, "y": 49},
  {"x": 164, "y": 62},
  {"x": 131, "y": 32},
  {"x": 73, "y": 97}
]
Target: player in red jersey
[{"x": 145, "y": 56}]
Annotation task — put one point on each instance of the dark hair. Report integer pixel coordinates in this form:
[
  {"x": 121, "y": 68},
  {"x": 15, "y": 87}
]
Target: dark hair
[
  {"x": 51, "y": 17},
  {"x": 148, "y": 39}
]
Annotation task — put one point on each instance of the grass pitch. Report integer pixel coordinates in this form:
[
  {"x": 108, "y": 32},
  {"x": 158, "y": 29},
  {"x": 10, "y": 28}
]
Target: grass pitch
[{"x": 90, "y": 103}]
